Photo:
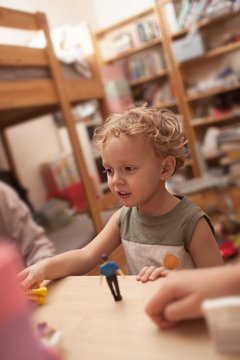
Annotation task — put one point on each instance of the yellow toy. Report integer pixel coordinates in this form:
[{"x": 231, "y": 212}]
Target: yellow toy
[{"x": 37, "y": 293}]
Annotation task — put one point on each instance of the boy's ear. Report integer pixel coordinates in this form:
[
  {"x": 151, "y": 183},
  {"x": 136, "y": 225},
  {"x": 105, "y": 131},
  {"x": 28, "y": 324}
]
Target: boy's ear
[{"x": 167, "y": 167}]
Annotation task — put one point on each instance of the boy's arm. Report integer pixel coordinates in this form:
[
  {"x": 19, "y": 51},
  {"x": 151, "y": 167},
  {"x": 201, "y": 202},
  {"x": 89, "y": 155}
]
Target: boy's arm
[
  {"x": 75, "y": 262},
  {"x": 120, "y": 272},
  {"x": 203, "y": 246}
]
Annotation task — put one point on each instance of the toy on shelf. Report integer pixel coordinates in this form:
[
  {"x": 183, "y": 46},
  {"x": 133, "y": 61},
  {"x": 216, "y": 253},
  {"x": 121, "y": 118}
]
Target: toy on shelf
[
  {"x": 230, "y": 230},
  {"x": 227, "y": 228},
  {"x": 228, "y": 249},
  {"x": 110, "y": 270}
]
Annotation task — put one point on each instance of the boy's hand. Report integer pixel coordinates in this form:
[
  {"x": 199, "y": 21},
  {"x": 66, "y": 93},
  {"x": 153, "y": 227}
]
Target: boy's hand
[
  {"x": 151, "y": 273},
  {"x": 31, "y": 275}
]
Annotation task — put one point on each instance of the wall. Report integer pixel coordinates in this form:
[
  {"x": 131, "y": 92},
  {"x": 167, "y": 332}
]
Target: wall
[
  {"x": 59, "y": 12},
  {"x": 108, "y": 12},
  {"x": 33, "y": 143},
  {"x": 98, "y": 13}
]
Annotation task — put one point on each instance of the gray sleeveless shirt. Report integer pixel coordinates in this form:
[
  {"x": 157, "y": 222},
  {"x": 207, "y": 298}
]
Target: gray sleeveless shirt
[{"x": 160, "y": 240}]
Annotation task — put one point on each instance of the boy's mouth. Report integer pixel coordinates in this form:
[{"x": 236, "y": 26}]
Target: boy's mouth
[{"x": 122, "y": 193}]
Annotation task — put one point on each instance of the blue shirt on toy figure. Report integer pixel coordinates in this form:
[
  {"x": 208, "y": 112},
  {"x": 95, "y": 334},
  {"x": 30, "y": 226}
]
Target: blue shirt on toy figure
[{"x": 110, "y": 269}]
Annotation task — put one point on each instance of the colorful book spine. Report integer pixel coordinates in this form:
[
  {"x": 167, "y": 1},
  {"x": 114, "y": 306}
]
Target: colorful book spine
[{"x": 183, "y": 13}]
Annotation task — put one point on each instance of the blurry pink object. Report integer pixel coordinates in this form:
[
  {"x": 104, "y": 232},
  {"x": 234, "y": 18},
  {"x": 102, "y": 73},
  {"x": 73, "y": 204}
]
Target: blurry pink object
[
  {"x": 118, "y": 105},
  {"x": 116, "y": 87},
  {"x": 17, "y": 338}
]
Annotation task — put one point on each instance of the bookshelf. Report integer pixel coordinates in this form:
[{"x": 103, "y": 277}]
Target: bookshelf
[
  {"x": 196, "y": 86},
  {"x": 207, "y": 88},
  {"x": 142, "y": 58},
  {"x": 204, "y": 82}
]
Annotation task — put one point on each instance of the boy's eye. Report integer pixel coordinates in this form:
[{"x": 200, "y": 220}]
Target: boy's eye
[
  {"x": 107, "y": 171},
  {"x": 129, "y": 168}
]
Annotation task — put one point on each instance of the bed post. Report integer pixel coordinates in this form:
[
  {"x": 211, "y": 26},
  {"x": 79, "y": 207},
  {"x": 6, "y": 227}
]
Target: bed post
[{"x": 66, "y": 110}]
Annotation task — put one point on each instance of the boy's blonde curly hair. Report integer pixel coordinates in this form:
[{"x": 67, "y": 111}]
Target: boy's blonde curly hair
[{"x": 160, "y": 128}]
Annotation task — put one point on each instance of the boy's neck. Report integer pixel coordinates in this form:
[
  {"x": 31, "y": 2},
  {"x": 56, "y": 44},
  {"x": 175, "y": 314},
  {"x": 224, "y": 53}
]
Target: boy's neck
[{"x": 165, "y": 204}]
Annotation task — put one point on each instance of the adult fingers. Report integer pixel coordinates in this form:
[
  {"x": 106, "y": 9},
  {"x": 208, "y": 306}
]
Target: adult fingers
[
  {"x": 156, "y": 306},
  {"x": 161, "y": 322},
  {"x": 187, "y": 307}
]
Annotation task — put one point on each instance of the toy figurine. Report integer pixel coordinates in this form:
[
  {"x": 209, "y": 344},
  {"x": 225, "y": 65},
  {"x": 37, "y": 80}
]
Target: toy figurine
[{"x": 110, "y": 270}]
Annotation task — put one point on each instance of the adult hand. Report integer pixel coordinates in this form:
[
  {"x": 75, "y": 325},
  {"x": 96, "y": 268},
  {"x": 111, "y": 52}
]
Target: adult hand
[{"x": 181, "y": 293}]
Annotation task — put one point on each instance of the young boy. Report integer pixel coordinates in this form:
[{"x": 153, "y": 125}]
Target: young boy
[{"x": 141, "y": 148}]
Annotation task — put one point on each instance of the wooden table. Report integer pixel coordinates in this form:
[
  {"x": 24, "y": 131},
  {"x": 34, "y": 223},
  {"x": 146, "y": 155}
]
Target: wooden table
[{"x": 94, "y": 327}]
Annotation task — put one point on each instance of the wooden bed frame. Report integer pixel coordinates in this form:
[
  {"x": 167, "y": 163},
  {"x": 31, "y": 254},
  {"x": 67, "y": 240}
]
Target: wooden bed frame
[{"x": 23, "y": 100}]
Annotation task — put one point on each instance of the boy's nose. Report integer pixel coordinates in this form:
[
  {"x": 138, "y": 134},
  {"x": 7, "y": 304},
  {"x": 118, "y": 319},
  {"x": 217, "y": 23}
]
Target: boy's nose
[{"x": 117, "y": 178}]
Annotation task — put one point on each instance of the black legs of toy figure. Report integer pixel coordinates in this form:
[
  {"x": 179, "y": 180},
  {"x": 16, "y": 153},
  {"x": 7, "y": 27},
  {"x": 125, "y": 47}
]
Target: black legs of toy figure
[{"x": 112, "y": 280}]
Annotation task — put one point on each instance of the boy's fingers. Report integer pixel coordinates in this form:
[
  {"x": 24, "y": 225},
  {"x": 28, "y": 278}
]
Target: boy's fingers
[
  {"x": 141, "y": 272},
  {"x": 165, "y": 272},
  {"x": 147, "y": 273},
  {"x": 151, "y": 273},
  {"x": 157, "y": 272},
  {"x": 28, "y": 281}
]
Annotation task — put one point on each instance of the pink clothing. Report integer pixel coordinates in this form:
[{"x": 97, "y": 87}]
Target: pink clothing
[
  {"x": 17, "y": 336},
  {"x": 18, "y": 226}
]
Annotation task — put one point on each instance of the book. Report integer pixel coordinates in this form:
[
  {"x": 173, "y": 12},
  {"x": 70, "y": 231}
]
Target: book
[
  {"x": 183, "y": 12},
  {"x": 123, "y": 42},
  {"x": 190, "y": 17},
  {"x": 171, "y": 17},
  {"x": 233, "y": 146},
  {"x": 229, "y": 135},
  {"x": 198, "y": 10}
]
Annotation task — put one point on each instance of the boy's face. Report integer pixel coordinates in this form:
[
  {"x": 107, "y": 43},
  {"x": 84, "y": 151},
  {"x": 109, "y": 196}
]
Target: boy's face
[{"x": 133, "y": 170}]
